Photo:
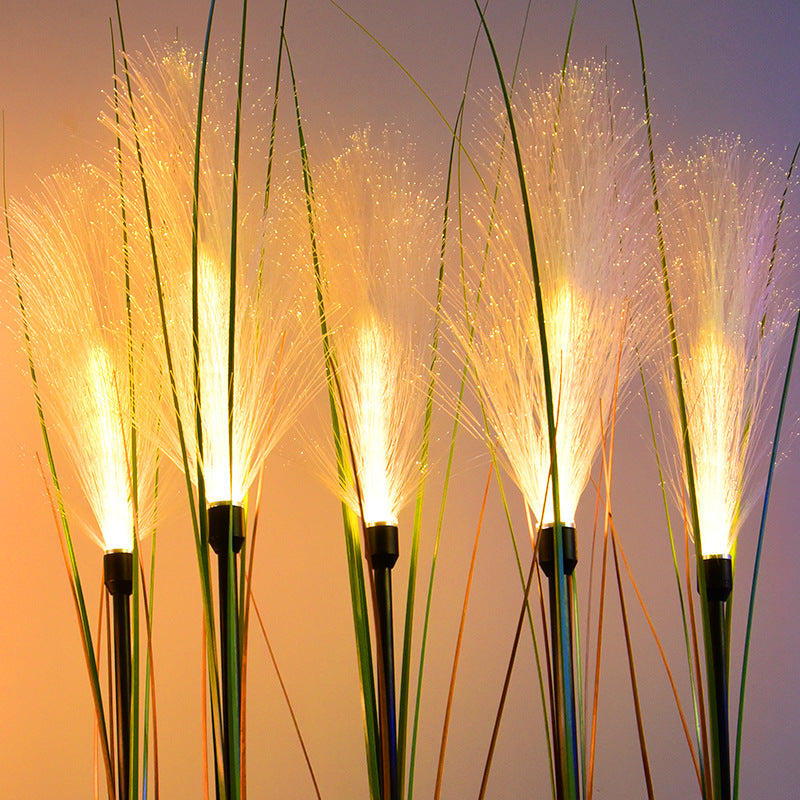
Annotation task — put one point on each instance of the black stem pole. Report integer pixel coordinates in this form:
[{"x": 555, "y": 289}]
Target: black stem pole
[
  {"x": 383, "y": 550},
  {"x": 118, "y": 577},
  {"x": 563, "y": 700},
  {"x": 226, "y": 537},
  {"x": 719, "y": 583}
]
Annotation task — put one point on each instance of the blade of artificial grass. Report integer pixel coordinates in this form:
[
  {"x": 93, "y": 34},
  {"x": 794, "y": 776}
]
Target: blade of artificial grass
[
  {"x": 457, "y": 135},
  {"x": 687, "y": 448},
  {"x": 86, "y": 634},
  {"x": 704, "y": 764},
  {"x": 61, "y": 514},
  {"x": 662, "y": 483},
  {"x": 459, "y": 638},
  {"x": 199, "y": 522},
  {"x": 507, "y": 681},
  {"x": 133, "y": 466},
  {"x": 673, "y": 687},
  {"x": 589, "y": 775},
  {"x": 632, "y": 668},
  {"x": 408, "y": 629},
  {"x": 350, "y": 524},
  {"x": 103, "y": 611},
  {"x": 289, "y": 705},
  {"x": 149, "y": 676},
  {"x": 232, "y": 690},
  {"x": 562, "y": 613},
  {"x": 767, "y": 493},
  {"x": 149, "y": 679}
]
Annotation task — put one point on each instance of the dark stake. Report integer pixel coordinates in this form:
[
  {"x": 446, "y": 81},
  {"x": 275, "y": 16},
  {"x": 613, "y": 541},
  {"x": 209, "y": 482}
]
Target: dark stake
[
  {"x": 719, "y": 584},
  {"x": 563, "y": 700},
  {"x": 226, "y": 537},
  {"x": 118, "y": 577},
  {"x": 382, "y": 551}
]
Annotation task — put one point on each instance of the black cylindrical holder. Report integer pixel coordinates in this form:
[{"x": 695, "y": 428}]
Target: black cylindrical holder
[
  {"x": 563, "y": 701},
  {"x": 547, "y": 549},
  {"x": 718, "y": 573},
  {"x": 118, "y": 578},
  {"x": 383, "y": 549},
  {"x": 226, "y": 536}
]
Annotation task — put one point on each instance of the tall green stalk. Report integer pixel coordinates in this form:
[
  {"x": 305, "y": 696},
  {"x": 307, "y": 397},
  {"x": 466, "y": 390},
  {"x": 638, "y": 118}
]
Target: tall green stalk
[
  {"x": 73, "y": 574},
  {"x": 350, "y": 523},
  {"x": 767, "y": 494},
  {"x": 687, "y": 449},
  {"x": 199, "y": 521},
  {"x": 562, "y": 656}
]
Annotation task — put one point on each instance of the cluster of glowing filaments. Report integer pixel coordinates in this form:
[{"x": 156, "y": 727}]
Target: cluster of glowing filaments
[
  {"x": 376, "y": 225},
  {"x": 728, "y": 293},
  {"x": 108, "y": 452},
  {"x": 270, "y": 374},
  {"x": 713, "y": 378},
  {"x": 69, "y": 252},
  {"x": 588, "y": 197},
  {"x": 376, "y": 393}
]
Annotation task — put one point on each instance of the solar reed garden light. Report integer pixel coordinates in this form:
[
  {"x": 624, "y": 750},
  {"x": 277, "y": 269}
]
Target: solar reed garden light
[
  {"x": 582, "y": 295},
  {"x": 729, "y": 272},
  {"x": 69, "y": 246},
  {"x": 246, "y": 323},
  {"x": 376, "y": 223}
]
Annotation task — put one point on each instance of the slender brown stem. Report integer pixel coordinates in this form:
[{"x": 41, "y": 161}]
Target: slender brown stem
[{"x": 451, "y": 690}]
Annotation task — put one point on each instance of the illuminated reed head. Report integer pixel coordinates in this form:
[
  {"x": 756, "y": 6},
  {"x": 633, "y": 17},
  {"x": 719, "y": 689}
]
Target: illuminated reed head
[
  {"x": 377, "y": 222},
  {"x": 69, "y": 254},
  {"x": 271, "y": 373},
  {"x": 588, "y": 194},
  {"x": 729, "y": 291}
]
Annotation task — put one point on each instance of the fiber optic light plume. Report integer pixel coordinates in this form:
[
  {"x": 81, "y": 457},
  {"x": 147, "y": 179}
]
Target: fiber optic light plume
[
  {"x": 731, "y": 309},
  {"x": 69, "y": 245},
  {"x": 378, "y": 241},
  {"x": 589, "y": 201},
  {"x": 272, "y": 379}
]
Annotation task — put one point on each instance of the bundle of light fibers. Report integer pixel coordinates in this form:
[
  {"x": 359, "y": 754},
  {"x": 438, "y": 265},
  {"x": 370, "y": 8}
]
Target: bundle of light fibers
[
  {"x": 377, "y": 226},
  {"x": 69, "y": 253},
  {"x": 271, "y": 375},
  {"x": 588, "y": 196},
  {"x": 731, "y": 303},
  {"x": 376, "y": 236}
]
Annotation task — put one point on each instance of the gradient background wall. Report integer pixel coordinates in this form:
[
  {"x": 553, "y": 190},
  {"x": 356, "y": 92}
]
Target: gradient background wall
[{"x": 722, "y": 66}]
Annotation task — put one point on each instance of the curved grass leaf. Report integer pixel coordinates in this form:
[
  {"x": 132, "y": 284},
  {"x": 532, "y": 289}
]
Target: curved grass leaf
[
  {"x": 57, "y": 505},
  {"x": 767, "y": 493},
  {"x": 351, "y": 525}
]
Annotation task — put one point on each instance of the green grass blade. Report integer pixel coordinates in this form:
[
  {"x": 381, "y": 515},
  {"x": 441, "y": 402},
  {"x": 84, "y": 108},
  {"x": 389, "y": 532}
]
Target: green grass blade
[
  {"x": 767, "y": 493},
  {"x": 199, "y": 522},
  {"x": 687, "y": 449},
  {"x": 662, "y": 483},
  {"x": 566, "y": 715},
  {"x": 350, "y": 523},
  {"x": 60, "y": 514},
  {"x": 133, "y": 788},
  {"x": 632, "y": 669}
]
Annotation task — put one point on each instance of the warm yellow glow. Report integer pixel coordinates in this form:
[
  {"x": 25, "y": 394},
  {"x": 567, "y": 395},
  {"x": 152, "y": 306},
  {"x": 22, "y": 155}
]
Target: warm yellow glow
[
  {"x": 588, "y": 198},
  {"x": 107, "y": 451},
  {"x": 213, "y": 304},
  {"x": 715, "y": 376},
  {"x": 373, "y": 397}
]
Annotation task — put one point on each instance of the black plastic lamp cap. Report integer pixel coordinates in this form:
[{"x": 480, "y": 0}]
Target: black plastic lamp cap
[
  {"x": 219, "y": 527},
  {"x": 118, "y": 571},
  {"x": 718, "y": 572},
  {"x": 547, "y": 552},
  {"x": 383, "y": 545}
]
